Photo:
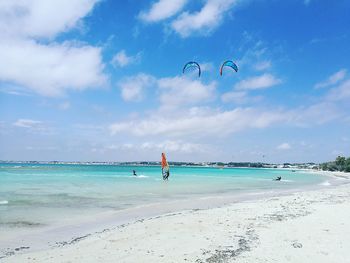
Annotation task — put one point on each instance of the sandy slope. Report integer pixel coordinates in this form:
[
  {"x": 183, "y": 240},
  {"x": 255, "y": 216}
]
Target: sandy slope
[{"x": 304, "y": 227}]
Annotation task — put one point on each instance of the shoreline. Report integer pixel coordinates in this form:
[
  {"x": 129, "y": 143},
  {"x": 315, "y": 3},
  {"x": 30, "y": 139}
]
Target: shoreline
[
  {"x": 111, "y": 222},
  {"x": 290, "y": 228}
]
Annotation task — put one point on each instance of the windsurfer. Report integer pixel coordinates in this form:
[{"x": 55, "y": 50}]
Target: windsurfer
[
  {"x": 166, "y": 175},
  {"x": 165, "y": 168}
]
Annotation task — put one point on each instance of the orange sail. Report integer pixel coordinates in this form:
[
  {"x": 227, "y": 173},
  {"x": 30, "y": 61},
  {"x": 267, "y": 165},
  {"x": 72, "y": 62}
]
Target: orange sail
[{"x": 165, "y": 168}]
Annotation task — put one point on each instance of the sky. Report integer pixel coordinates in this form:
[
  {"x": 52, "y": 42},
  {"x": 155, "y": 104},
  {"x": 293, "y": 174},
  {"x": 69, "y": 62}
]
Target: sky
[{"x": 102, "y": 80}]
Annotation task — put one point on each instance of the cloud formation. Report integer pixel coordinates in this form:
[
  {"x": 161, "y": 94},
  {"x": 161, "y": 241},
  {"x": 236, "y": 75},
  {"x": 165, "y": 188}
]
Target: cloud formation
[
  {"x": 174, "y": 146},
  {"x": 178, "y": 91},
  {"x": 332, "y": 80},
  {"x": 162, "y": 9},
  {"x": 284, "y": 146},
  {"x": 47, "y": 68},
  {"x": 202, "y": 124},
  {"x": 33, "y": 126},
  {"x": 51, "y": 69},
  {"x": 133, "y": 88},
  {"x": 121, "y": 59},
  {"x": 203, "y": 21},
  {"x": 260, "y": 82},
  {"x": 27, "y": 123},
  {"x": 234, "y": 96},
  {"x": 341, "y": 92},
  {"x": 263, "y": 65},
  {"x": 40, "y": 18}
]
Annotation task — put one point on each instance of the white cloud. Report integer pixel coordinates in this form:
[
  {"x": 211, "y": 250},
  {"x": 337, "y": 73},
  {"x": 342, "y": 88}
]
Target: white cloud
[
  {"x": 184, "y": 91},
  {"x": 261, "y": 82},
  {"x": 207, "y": 66},
  {"x": 13, "y": 90},
  {"x": 162, "y": 9},
  {"x": 332, "y": 80},
  {"x": 203, "y": 21},
  {"x": 234, "y": 96},
  {"x": 41, "y": 18},
  {"x": 50, "y": 69},
  {"x": 284, "y": 146},
  {"x": 240, "y": 97},
  {"x": 263, "y": 65},
  {"x": 133, "y": 88},
  {"x": 206, "y": 122},
  {"x": 256, "y": 53},
  {"x": 42, "y": 148},
  {"x": 173, "y": 91},
  {"x": 34, "y": 126},
  {"x": 121, "y": 59},
  {"x": 318, "y": 114},
  {"x": 27, "y": 123},
  {"x": 47, "y": 68},
  {"x": 217, "y": 123},
  {"x": 342, "y": 92},
  {"x": 174, "y": 146}
]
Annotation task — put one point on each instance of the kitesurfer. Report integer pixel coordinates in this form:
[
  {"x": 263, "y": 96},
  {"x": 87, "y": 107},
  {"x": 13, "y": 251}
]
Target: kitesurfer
[
  {"x": 278, "y": 178},
  {"x": 134, "y": 173}
]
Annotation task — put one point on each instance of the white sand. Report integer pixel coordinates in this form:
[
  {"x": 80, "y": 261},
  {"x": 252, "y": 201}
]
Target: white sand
[
  {"x": 304, "y": 227},
  {"x": 309, "y": 226}
]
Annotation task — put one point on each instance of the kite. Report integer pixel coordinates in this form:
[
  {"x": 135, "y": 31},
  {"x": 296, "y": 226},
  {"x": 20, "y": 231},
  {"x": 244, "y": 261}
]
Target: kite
[
  {"x": 229, "y": 63},
  {"x": 192, "y": 64}
]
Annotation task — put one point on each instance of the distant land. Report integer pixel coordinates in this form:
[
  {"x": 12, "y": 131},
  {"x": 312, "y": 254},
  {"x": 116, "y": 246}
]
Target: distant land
[{"x": 199, "y": 164}]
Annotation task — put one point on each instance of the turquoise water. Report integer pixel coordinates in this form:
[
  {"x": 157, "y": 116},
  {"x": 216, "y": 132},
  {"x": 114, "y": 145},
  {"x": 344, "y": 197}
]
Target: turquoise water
[{"x": 37, "y": 195}]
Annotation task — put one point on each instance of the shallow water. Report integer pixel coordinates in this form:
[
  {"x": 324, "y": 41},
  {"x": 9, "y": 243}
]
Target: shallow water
[{"x": 38, "y": 195}]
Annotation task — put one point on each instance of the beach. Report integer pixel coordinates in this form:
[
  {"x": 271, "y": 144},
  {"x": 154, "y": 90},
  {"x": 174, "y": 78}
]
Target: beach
[
  {"x": 302, "y": 226},
  {"x": 174, "y": 131}
]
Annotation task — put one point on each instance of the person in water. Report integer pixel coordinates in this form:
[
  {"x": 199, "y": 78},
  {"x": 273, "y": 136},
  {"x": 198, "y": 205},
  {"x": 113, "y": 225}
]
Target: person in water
[
  {"x": 278, "y": 178},
  {"x": 134, "y": 173},
  {"x": 166, "y": 175}
]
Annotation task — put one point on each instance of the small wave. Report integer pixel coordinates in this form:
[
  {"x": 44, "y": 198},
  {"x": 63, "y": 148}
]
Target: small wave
[
  {"x": 261, "y": 179},
  {"x": 287, "y": 181},
  {"x": 140, "y": 176},
  {"x": 4, "y": 202},
  {"x": 325, "y": 183}
]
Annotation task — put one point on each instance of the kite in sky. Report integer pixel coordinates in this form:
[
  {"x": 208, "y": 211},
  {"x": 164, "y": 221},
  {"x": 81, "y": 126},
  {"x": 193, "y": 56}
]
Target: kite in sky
[
  {"x": 192, "y": 64},
  {"x": 229, "y": 63}
]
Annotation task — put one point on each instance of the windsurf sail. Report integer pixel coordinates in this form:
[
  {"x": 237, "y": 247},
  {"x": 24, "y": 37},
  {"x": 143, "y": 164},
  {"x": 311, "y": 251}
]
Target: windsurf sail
[{"x": 165, "y": 168}]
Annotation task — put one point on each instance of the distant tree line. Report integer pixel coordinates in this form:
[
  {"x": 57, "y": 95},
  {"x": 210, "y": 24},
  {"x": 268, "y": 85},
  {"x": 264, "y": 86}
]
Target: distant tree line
[{"x": 340, "y": 164}]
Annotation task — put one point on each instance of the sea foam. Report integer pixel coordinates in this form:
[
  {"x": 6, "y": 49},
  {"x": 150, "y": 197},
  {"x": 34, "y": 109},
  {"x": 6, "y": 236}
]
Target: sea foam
[{"x": 325, "y": 183}]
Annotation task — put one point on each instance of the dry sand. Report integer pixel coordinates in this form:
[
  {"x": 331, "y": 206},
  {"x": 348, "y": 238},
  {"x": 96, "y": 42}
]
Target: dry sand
[{"x": 311, "y": 226}]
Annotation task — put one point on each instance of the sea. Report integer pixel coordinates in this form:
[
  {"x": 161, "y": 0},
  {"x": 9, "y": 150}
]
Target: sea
[{"x": 35, "y": 198}]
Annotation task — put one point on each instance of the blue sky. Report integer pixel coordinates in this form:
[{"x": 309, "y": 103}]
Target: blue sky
[{"x": 90, "y": 80}]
